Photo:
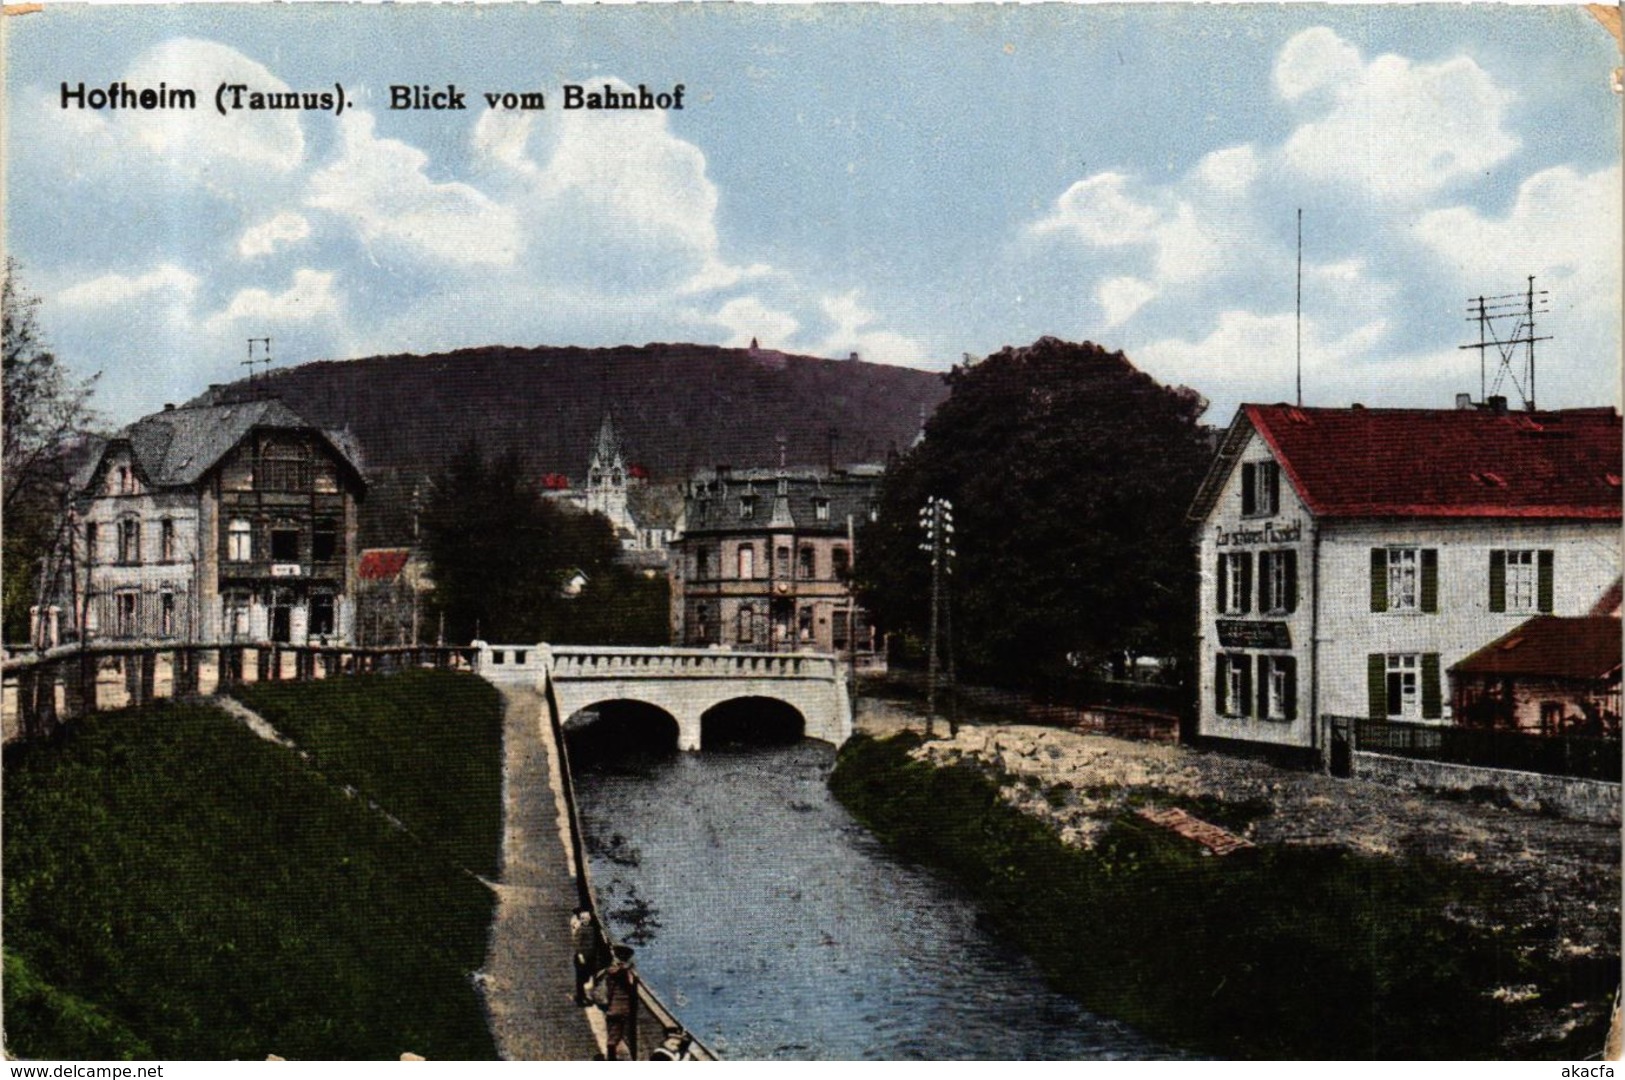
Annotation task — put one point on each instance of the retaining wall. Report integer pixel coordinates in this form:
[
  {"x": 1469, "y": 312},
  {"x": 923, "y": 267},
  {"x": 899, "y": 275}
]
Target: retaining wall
[{"x": 1567, "y": 796}]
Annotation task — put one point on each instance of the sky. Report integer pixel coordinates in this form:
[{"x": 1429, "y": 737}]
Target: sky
[{"x": 912, "y": 183}]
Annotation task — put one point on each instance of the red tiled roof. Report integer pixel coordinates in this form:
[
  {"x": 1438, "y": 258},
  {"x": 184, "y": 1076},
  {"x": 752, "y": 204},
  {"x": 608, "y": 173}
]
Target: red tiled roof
[
  {"x": 1608, "y": 603},
  {"x": 1448, "y": 462},
  {"x": 1551, "y": 645},
  {"x": 382, "y": 564}
]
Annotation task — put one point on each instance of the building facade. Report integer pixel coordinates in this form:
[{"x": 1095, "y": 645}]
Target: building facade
[
  {"x": 763, "y": 559},
  {"x": 1350, "y": 557},
  {"x": 215, "y": 523}
]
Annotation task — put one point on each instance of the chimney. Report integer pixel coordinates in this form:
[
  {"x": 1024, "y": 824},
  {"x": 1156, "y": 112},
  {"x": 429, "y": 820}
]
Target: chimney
[
  {"x": 169, "y": 406},
  {"x": 1464, "y": 402},
  {"x": 1497, "y": 405},
  {"x": 853, "y": 358}
]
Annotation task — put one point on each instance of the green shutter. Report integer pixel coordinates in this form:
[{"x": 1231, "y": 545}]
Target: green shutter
[
  {"x": 1249, "y": 489},
  {"x": 1263, "y": 688},
  {"x": 1291, "y": 703},
  {"x": 1223, "y": 584},
  {"x": 1498, "y": 581},
  {"x": 1432, "y": 699},
  {"x": 1246, "y": 598},
  {"x": 1245, "y": 705},
  {"x": 1376, "y": 680},
  {"x": 1379, "y": 579},
  {"x": 1430, "y": 580},
  {"x": 1291, "y": 558},
  {"x": 1221, "y": 683},
  {"x": 1264, "y": 560},
  {"x": 1545, "y": 584}
]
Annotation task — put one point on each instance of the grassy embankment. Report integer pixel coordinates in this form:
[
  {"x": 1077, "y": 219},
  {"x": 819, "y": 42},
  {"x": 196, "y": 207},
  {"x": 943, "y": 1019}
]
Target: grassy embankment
[
  {"x": 1273, "y": 952},
  {"x": 176, "y": 887}
]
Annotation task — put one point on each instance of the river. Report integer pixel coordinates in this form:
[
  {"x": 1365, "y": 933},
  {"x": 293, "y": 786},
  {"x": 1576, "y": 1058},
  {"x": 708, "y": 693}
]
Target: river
[{"x": 777, "y": 927}]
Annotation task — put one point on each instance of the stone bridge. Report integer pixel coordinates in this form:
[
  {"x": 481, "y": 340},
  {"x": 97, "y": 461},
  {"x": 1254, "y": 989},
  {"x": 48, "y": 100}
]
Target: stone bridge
[{"x": 685, "y": 684}]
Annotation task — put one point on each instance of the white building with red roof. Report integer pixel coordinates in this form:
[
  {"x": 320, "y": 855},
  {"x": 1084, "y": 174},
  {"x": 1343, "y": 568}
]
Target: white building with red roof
[{"x": 1350, "y": 557}]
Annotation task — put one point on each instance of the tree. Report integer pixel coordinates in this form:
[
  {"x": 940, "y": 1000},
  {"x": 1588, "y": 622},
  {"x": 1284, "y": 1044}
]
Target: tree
[
  {"x": 44, "y": 418},
  {"x": 1070, "y": 473},
  {"x": 500, "y": 555}
]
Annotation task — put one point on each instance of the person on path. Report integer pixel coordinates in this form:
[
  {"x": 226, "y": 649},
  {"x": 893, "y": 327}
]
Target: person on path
[
  {"x": 619, "y": 994},
  {"x": 587, "y": 947}
]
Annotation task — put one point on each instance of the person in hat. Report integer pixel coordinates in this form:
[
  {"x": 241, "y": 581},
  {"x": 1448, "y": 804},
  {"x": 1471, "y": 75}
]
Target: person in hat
[{"x": 620, "y": 996}]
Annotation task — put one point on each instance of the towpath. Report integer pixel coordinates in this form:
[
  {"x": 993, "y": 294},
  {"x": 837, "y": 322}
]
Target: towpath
[{"x": 528, "y": 976}]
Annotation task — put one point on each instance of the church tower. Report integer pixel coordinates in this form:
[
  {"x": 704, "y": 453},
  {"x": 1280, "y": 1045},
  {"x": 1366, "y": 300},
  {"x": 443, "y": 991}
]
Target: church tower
[{"x": 606, "y": 477}]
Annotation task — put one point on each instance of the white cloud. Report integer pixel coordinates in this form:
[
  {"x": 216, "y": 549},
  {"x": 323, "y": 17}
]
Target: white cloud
[
  {"x": 1121, "y": 297},
  {"x": 1393, "y": 130},
  {"x": 1099, "y": 212},
  {"x": 309, "y": 297},
  {"x": 750, "y": 319},
  {"x": 168, "y": 285},
  {"x": 1231, "y": 170},
  {"x": 284, "y": 229},
  {"x": 380, "y": 187},
  {"x": 854, "y": 331}
]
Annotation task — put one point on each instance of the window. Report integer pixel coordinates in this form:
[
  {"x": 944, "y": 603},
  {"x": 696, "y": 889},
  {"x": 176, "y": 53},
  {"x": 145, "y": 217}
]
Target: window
[
  {"x": 842, "y": 560},
  {"x": 1235, "y": 583},
  {"x": 1277, "y": 688},
  {"x": 804, "y": 624},
  {"x": 821, "y": 509},
  {"x": 285, "y": 543},
  {"x": 783, "y": 568},
  {"x": 126, "y": 481},
  {"x": 166, "y": 540},
  {"x": 1278, "y": 582},
  {"x": 702, "y": 562},
  {"x": 809, "y": 563},
  {"x": 747, "y": 625},
  {"x": 125, "y": 613},
  {"x": 1233, "y": 684},
  {"x": 235, "y": 610},
  {"x": 166, "y": 614},
  {"x": 324, "y": 541},
  {"x": 1521, "y": 581},
  {"x": 239, "y": 541},
  {"x": 1260, "y": 488},
  {"x": 129, "y": 541},
  {"x": 284, "y": 467},
  {"x": 322, "y": 622},
  {"x": 1405, "y": 686},
  {"x": 90, "y": 543},
  {"x": 1405, "y": 579},
  {"x": 702, "y": 618},
  {"x": 747, "y": 561},
  {"x": 747, "y": 507}
]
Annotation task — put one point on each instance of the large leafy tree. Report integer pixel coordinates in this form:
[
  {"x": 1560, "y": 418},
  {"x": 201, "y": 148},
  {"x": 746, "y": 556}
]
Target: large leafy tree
[
  {"x": 500, "y": 556},
  {"x": 1070, "y": 472},
  {"x": 44, "y": 419}
]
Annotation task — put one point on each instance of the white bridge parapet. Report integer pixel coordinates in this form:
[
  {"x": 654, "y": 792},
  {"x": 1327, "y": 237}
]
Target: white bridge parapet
[{"x": 684, "y": 683}]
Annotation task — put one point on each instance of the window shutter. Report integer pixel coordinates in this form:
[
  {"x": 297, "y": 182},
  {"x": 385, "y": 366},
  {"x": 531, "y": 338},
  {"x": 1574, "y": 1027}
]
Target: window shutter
[
  {"x": 1221, "y": 683},
  {"x": 1291, "y": 669},
  {"x": 1263, "y": 688},
  {"x": 1291, "y": 558},
  {"x": 1498, "y": 581},
  {"x": 1430, "y": 580},
  {"x": 1249, "y": 489},
  {"x": 1224, "y": 584},
  {"x": 1244, "y": 706},
  {"x": 1544, "y": 595},
  {"x": 1264, "y": 560},
  {"x": 1246, "y": 598},
  {"x": 1379, "y": 579},
  {"x": 1432, "y": 703},
  {"x": 1376, "y": 679}
]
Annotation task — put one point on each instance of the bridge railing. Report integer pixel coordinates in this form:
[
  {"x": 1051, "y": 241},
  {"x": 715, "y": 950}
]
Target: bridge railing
[{"x": 589, "y": 662}]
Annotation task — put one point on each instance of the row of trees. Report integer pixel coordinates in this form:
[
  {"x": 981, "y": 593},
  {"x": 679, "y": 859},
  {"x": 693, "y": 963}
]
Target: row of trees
[
  {"x": 45, "y": 417},
  {"x": 1070, "y": 473},
  {"x": 501, "y": 557}
]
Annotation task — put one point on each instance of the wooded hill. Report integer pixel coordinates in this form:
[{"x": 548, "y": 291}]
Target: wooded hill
[{"x": 676, "y": 407}]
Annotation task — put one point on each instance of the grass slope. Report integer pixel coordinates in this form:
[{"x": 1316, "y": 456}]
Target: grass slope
[
  {"x": 1275, "y": 952},
  {"x": 176, "y": 887},
  {"x": 426, "y": 746}
]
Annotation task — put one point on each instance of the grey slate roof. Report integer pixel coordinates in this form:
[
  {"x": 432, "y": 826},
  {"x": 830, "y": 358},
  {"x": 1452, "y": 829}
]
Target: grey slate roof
[
  {"x": 714, "y": 500},
  {"x": 174, "y": 448}
]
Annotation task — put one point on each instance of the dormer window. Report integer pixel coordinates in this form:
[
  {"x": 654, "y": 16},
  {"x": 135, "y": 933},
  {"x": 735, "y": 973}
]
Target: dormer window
[
  {"x": 1260, "y": 488},
  {"x": 747, "y": 507},
  {"x": 821, "y": 509}
]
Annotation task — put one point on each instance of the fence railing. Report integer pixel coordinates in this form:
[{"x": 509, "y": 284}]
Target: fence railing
[{"x": 1554, "y": 755}]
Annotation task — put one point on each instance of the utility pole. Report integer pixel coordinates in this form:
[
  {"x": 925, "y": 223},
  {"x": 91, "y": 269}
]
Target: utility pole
[{"x": 937, "y": 519}]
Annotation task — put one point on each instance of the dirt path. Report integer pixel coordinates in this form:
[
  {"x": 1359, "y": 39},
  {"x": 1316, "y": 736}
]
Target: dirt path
[{"x": 528, "y": 975}]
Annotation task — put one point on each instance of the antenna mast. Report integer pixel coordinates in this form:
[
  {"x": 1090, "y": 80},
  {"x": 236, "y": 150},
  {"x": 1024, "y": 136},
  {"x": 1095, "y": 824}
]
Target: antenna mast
[
  {"x": 1493, "y": 314},
  {"x": 261, "y": 346},
  {"x": 1300, "y": 307}
]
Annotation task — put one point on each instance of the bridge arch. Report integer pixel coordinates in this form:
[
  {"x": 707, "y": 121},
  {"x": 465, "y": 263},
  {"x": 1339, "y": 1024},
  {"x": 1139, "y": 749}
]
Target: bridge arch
[
  {"x": 754, "y": 719},
  {"x": 621, "y": 727}
]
